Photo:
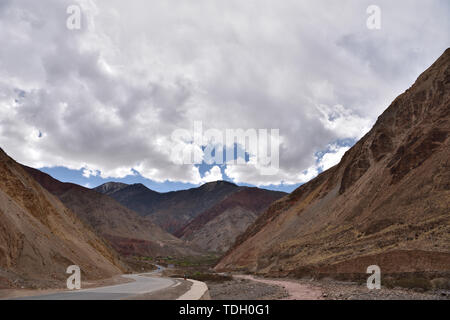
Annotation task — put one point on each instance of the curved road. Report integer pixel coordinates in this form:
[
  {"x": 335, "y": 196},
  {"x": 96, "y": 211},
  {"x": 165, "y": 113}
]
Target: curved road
[{"x": 142, "y": 284}]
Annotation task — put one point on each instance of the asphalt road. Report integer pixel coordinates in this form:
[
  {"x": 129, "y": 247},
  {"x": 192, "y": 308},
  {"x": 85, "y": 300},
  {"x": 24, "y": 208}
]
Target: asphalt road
[{"x": 142, "y": 284}]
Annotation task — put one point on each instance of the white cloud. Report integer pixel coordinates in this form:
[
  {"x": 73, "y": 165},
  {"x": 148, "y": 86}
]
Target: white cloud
[
  {"x": 343, "y": 122},
  {"x": 250, "y": 173},
  {"x": 333, "y": 157},
  {"x": 107, "y": 98},
  {"x": 213, "y": 175},
  {"x": 89, "y": 172}
]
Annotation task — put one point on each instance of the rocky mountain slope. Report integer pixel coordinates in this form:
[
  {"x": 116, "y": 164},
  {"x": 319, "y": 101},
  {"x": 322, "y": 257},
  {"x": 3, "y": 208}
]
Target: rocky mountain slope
[
  {"x": 127, "y": 232},
  {"x": 216, "y": 228},
  {"x": 40, "y": 237},
  {"x": 386, "y": 203},
  {"x": 172, "y": 210}
]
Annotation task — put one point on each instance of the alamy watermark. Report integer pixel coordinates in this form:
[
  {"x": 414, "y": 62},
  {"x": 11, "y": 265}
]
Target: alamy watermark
[
  {"x": 374, "y": 281},
  {"x": 373, "y": 22},
  {"x": 74, "y": 281},
  {"x": 255, "y": 147},
  {"x": 73, "y": 21}
]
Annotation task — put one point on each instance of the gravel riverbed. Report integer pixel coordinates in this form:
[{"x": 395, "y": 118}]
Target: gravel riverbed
[{"x": 252, "y": 288}]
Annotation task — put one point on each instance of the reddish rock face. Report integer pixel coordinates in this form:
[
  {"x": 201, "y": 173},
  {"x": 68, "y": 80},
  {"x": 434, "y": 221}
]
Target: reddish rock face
[
  {"x": 387, "y": 201},
  {"x": 217, "y": 228},
  {"x": 253, "y": 199}
]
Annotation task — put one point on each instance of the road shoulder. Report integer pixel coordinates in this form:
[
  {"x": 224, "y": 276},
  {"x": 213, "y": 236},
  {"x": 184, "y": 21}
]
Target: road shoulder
[
  {"x": 198, "y": 291},
  {"x": 170, "y": 293}
]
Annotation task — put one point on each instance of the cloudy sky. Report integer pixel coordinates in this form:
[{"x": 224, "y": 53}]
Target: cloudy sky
[{"x": 101, "y": 103}]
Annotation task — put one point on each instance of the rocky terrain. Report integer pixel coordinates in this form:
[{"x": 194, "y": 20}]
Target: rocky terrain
[
  {"x": 40, "y": 237},
  {"x": 337, "y": 290},
  {"x": 126, "y": 231},
  {"x": 386, "y": 203},
  {"x": 251, "y": 288},
  {"x": 217, "y": 228}
]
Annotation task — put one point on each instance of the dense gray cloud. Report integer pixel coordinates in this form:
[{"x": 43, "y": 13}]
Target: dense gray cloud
[{"x": 106, "y": 98}]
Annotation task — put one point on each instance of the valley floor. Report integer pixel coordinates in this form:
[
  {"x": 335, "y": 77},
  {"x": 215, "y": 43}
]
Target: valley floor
[{"x": 248, "y": 287}]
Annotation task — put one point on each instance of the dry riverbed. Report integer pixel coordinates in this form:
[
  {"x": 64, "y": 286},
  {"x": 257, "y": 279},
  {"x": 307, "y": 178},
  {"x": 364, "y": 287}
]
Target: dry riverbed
[
  {"x": 337, "y": 290},
  {"x": 245, "y": 287}
]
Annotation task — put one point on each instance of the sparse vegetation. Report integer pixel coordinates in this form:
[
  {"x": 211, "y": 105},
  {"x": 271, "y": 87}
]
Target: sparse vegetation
[
  {"x": 414, "y": 283},
  {"x": 211, "y": 277},
  {"x": 205, "y": 261},
  {"x": 206, "y": 277},
  {"x": 440, "y": 283}
]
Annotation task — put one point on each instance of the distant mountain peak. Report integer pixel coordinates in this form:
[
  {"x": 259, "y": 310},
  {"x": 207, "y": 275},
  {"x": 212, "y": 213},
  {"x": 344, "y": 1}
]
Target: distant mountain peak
[
  {"x": 140, "y": 188},
  {"x": 110, "y": 187},
  {"x": 218, "y": 184},
  {"x": 140, "y": 185}
]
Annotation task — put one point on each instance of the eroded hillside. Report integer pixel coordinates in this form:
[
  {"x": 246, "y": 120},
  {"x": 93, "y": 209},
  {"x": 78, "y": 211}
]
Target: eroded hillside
[{"x": 40, "y": 237}]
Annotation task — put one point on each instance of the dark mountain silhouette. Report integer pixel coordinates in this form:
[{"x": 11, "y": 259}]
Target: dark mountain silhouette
[{"x": 172, "y": 210}]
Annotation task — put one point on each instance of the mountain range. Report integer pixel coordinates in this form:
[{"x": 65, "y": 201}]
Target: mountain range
[
  {"x": 209, "y": 217},
  {"x": 173, "y": 211}
]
